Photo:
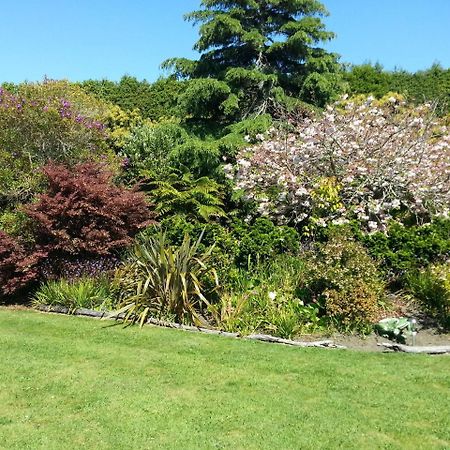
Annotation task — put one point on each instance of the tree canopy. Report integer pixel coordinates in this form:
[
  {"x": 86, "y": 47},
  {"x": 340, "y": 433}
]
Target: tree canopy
[{"x": 261, "y": 48}]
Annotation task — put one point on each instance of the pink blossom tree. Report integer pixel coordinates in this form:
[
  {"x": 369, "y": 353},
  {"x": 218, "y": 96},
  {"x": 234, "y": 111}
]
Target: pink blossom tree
[{"x": 367, "y": 160}]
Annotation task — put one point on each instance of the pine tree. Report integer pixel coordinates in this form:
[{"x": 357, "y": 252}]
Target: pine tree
[{"x": 262, "y": 49}]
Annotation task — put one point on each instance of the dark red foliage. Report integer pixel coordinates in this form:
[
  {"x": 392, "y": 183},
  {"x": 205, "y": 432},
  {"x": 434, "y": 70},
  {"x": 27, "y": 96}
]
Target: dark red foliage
[
  {"x": 83, "y": 213},
  {"x": 18, "y": 268}
]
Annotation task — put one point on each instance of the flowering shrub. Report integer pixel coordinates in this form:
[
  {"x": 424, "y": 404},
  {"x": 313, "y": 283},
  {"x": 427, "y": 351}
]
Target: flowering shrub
[
  {"x": 41, "y": 122},
  {"x": 43, "y": 127},
  {"x": 372, "y": 161},
  {"x": 84, "y": 214}
]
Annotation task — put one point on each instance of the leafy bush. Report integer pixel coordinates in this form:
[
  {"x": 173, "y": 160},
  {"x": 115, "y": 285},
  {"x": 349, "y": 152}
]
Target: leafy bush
[
  {"x": 41, "y": 122},
  {"x": 204, "y": 98},
  {"x": 160, "y": 280},
  {"x": 404, "y": 248},
  {"x": 90, "y": 293},
  {"x": 343, "y": 280},
  {"x": 236, "y": 243},
  {"x": 18, "y": 268},
  {"x": 83, "y": 213},
  {"x": 148, "y": 149},
  {"x": 432, "y": 287},
  {"x": 180, "y": 193},
  {"x": 223, "y": 242},
  {"x": 265, "y": 299},
  {"x": 155, "y": 101},
  {"x": 426, "y": 85},
  {"x": 262, "y": 240}
]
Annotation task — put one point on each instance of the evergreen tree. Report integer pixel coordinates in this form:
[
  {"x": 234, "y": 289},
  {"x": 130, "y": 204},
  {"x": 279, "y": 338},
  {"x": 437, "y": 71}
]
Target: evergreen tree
[{"x": 261, "y": 49}]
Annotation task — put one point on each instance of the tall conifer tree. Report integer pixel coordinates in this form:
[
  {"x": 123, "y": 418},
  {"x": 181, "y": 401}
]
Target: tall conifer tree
[{"x": 259, "y": 48}]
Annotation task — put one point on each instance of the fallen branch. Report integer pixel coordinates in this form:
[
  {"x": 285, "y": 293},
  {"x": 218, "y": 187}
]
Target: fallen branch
[
  {"x": 430, "y": 349},
  {"x": 277, "y": 340}
]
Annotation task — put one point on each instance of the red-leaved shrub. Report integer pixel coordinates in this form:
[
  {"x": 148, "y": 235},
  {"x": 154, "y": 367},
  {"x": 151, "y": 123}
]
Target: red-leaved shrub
[
  {"x": 18, "y": 268},
  {"x": 83, "y": 213}
]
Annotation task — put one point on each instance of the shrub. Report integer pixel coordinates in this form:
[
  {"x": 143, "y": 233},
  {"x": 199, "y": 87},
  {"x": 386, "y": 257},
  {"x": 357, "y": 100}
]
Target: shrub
[
  {"x": 90, "y": 293},
  {"x": 343, "y": 280},
  {"x": 404, "y": 248},
  {"x": 18, "y": 268},
  {"x": 365, "y": 160},
  {"x": 204, "y": 98},
  {"x": 223, "y": 242},
  {"x": 165, "y": 281},
  {"x": 431, "y": 287},
  {"x": 41, "y": 122},
  {"x": 148, "y": 150},
  {"x": 84, "y": 214},
  {"x": 262, "y": 240},
  {"x": 265, "y": 299}
]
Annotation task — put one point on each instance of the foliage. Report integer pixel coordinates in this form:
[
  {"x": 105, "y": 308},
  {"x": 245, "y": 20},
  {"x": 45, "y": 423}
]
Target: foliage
[
  {"x": 432, "y": 84},
  {"x": 250, "y": 50},
  {"x": 14, "y": 222},
  {"x": 43, "y": 121},
  {"x": 90, "y": 293},
  {"x": 154, "y": 101},
  {"x": 236, "y": 243},
  {"x": 431, "y": 287},
  {"x": 204, "y": 98},
  {"x": 216, "y": 236},
  {"x": 160, "y": 280},
  {"x": 343, "y": 280},
  {"x": 147, "y": 150},
  {"x": 370, "y": 161},
  {"x": 404, "y": 247},
  {"x": 180, "y": 193},
  {"x": 120, "y": 125},
  {"x": 72, "y": 268},
  {"x": 395, "y": 328},
  {"x": 83, "y": 213},
  {"x": 18, "y": 268},
  {"x": 263, "y": 240},
  {"x": 264, "y": 298}
]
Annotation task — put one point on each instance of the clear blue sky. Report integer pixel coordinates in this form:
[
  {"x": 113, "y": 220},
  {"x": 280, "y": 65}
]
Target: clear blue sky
[{"x": 109, "y": 38}]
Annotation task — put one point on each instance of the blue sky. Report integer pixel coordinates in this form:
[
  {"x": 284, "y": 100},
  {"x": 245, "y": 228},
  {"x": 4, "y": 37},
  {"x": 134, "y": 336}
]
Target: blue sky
[{"x": 110, "y": 38}]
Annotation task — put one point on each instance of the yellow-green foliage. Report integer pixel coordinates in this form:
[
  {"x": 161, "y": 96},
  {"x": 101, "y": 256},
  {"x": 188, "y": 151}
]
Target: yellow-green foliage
[
  {"x": 432, "y": 288},
  {"x": 120, "y": 124},
  {"x": 344, "y": 280}
]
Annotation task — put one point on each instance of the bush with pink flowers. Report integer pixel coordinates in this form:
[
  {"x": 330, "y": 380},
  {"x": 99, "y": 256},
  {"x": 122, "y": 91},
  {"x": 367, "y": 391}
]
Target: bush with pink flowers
[{"x": 372, "y": 161}]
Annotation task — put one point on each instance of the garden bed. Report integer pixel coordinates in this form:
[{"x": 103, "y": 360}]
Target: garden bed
[{"x": 427, "y": 337}]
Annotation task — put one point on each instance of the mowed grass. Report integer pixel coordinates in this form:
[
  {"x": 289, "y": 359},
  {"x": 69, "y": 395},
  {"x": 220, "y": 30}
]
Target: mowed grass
[{"x": 70, "y": 382}]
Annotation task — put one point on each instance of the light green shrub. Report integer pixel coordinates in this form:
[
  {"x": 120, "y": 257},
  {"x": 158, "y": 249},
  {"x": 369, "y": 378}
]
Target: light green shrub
[
  {"x": 90, "y": 293},
  {"x": 344, "y": 281},
  {"x": 431, "y": 287}
]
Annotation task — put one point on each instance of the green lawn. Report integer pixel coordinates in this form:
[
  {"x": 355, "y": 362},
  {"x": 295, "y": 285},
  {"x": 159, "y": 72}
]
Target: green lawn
[{"x": 70, "y": 382}]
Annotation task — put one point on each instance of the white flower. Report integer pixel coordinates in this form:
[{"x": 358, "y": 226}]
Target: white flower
[
  {"x": 301, "y": 191},
  {"x": 272, "y": 295}
]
